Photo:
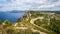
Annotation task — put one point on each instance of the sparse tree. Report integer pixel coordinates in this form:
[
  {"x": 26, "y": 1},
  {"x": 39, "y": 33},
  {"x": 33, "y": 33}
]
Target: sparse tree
[{"x": 0, "y": 22}]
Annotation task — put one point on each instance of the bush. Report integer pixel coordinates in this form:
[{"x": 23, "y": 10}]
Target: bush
[{"x": 37, "y": 22}]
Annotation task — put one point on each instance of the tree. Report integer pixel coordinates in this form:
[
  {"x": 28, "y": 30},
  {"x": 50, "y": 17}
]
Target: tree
[
  {"x": 38, "y": 22},
  {"x": 6, "y": 24},
  {"x": 54, "y": 25},
  {"x": 0, "y": 22},
  {"x": 10, "y": 31},
  {"x": 36, "y": 33}
]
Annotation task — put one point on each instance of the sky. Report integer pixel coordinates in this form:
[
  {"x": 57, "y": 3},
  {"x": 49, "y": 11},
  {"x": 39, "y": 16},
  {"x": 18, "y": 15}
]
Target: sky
[{"x": 9, "y": 5}]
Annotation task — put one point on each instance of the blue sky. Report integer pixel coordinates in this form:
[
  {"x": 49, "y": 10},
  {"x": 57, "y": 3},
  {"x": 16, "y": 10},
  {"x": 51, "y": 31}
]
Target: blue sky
[{"x": 9, "y": 5}]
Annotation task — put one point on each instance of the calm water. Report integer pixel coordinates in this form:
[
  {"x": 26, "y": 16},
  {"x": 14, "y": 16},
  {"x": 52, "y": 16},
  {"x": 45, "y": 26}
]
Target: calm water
[{"x": 11, "y": 16}]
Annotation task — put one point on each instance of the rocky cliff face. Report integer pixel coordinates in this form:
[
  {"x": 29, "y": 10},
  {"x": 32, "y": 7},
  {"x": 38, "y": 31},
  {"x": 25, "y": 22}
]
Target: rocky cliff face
[{"x": 26, "y": 15}]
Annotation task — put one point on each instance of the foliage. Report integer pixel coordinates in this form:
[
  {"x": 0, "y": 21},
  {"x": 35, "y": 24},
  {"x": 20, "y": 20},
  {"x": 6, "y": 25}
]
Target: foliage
[
  {"x": 37, "y": 22},
  {"x": 0, "y": 22},
  {"x": 54, "y": 25},
  {"x": 6, "y": 22},
  {"x": 36, "y": 33},
  {"x": 10, "y": 31}
]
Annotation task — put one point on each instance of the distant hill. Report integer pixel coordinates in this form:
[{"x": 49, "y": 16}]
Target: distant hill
[{"x": 15, "y": 11}]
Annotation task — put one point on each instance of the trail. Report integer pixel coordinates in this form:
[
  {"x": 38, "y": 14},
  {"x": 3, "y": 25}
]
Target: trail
[{"x": 32, "y": 22}]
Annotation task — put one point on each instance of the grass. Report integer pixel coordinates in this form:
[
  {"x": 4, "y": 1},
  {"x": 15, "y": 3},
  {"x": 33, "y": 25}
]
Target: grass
[{"x": 9, "y": 28}]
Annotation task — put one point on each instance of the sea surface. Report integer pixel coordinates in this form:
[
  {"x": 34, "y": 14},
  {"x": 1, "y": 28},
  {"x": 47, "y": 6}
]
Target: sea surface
[{"x": 11, "y": 16}]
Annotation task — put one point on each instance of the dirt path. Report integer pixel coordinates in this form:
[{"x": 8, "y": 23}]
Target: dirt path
[
  {"x": 38, "y": 31},
  {"x": 32, "y": 22}
]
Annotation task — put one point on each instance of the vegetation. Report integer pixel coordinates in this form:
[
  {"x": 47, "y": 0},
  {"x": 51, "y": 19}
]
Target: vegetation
[
  {"x": 50, "y": 22},
  {"x": 8, "y": 28},
  {"x": 0, "y": 22},
  {"x": 38, "y": 22},
  {"x": 54, "y": 25}
]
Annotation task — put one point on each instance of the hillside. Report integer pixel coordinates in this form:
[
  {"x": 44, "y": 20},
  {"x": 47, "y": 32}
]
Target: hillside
[
  {"x": 33, "y": 22},
  {"x": 46, "y": 21}
]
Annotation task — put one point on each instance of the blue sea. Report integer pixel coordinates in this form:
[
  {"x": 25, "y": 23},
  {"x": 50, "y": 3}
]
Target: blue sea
[{"x": 11, "y": 16}]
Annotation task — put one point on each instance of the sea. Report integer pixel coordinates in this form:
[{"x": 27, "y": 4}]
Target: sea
[{"x": 12, "y": 16}]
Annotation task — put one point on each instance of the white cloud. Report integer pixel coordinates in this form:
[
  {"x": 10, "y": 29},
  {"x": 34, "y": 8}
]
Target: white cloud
[{"x": 29, "y": 5}]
